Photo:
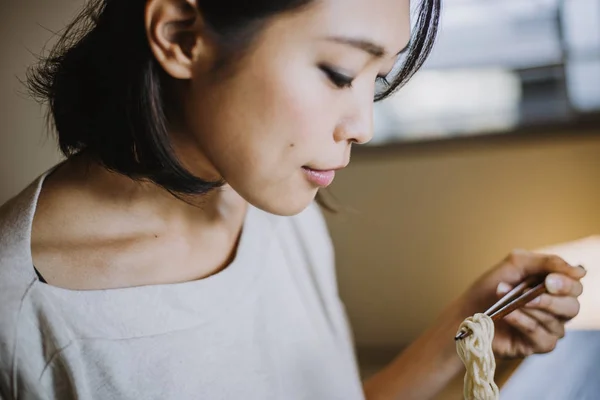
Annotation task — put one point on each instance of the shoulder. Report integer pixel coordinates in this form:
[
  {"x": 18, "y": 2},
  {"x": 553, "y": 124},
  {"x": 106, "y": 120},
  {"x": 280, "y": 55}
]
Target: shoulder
[
  {"x": 15, "y": 231},
  {"x": 16, "y": 269},
  {"x": 16, "y": 220},
  {"x": 16, "y": 272}
]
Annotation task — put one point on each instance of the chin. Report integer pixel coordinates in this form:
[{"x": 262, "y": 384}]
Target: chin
[{"x": 286, "y": 205}]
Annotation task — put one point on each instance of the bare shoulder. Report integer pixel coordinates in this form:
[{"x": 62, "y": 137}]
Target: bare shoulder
[
  {"x": 63, "y": 208},
  {"x": 99, "y": 230},
  {"x": 75, "y": 228}
]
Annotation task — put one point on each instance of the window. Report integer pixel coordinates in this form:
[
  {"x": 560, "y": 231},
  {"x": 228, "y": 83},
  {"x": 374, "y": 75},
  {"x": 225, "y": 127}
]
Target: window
[{"x": 500, "y": 65}]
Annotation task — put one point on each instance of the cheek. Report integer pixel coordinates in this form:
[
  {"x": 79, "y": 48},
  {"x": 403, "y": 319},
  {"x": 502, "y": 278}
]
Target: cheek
[
  {"x": 303, "y": 112},
  {"x": 257, "y": 130}
]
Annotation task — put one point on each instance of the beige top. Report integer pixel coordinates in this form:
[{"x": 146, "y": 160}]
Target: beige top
[{"x": 269, "y": 326}]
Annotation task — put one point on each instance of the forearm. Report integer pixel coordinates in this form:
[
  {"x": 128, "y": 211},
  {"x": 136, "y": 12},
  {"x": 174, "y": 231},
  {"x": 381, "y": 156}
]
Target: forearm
[{"x": 425, "y": 367}]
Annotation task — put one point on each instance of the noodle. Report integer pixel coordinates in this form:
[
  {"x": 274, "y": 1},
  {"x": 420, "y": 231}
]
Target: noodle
[{"x": 476, "y": 353}]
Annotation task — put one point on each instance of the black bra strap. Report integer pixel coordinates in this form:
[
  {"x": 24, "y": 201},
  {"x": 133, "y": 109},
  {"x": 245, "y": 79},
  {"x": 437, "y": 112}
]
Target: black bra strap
[{"x": 40, "y": 277}]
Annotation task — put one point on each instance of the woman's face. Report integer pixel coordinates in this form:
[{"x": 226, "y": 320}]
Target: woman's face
[{"x": 277, "y": 128}]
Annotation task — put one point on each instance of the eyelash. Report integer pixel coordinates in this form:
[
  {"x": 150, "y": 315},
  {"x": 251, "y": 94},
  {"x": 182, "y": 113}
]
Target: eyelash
[{"x": 344, "y": 82}]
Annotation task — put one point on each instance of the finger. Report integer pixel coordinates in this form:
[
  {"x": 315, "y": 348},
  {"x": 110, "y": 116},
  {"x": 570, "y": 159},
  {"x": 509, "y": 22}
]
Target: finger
[
  {"x": 563, "y": 285},
  {"x": 503, "y": 288},
  {"x": 549, "y": 322},
  {"x": 530, "y": 263},
  {"x": 541, "y": 340},
  {"x": 556, "y": 284},
  {"x": 560, "y": 306}
]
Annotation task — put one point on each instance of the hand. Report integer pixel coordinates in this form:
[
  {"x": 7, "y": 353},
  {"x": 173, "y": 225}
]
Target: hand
[{"x": 537, "y": 327}]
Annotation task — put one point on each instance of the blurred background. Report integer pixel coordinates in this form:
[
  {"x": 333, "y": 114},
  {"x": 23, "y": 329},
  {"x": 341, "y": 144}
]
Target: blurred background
[
  {"x": 500, "y": 65},
  {"x": 494, "y": 145}
]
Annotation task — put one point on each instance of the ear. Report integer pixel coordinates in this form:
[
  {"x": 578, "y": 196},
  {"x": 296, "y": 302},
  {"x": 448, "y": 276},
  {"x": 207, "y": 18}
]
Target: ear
[{"x": 174, "y": 28}]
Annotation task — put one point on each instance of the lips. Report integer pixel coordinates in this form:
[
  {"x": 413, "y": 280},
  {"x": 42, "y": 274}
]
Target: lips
[{"x": 322, "y": 178}]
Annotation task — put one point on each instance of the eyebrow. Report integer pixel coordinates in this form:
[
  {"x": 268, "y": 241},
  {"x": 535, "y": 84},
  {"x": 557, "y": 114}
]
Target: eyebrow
[{"x": 365, "y": 45}]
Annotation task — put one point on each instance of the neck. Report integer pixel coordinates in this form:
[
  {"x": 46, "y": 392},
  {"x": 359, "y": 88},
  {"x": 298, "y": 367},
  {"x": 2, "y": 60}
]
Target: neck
[{"x": 121, "y": 192}]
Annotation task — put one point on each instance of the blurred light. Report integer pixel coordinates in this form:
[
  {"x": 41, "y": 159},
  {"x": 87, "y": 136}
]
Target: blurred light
[
  {"x": 583, "y": 84},
  {"x": 581, "y": 27},
  {"x": 497, "y": 33},
  {"x": 450, "y": 102}
]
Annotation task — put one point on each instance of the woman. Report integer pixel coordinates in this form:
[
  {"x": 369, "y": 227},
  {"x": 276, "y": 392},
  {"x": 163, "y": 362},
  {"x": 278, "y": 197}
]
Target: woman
[{"x": 177, "y": 252}]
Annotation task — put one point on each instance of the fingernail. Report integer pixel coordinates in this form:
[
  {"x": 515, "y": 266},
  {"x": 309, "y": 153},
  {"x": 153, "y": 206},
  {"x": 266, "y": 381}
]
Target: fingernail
[
  {"x": 554, "y": 283},
  {"x": 503, "y": 288},
  {"x": 582, "y": 271}
]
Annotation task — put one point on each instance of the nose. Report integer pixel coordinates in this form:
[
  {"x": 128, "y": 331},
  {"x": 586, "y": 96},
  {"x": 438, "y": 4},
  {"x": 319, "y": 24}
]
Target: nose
[{"x": 357, "y": 124}]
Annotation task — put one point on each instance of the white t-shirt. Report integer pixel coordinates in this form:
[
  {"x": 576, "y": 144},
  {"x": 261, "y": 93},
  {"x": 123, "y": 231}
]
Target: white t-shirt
[{"x": 269, "y": 326}]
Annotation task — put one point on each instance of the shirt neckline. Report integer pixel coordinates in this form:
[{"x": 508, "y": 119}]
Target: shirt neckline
[{"x": 152, "y": 309}]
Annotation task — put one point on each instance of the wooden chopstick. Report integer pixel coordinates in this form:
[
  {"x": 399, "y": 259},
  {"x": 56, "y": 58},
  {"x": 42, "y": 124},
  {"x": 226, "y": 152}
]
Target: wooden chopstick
[
  {"x": 519, "y": 302},
  {"x": 514, "y": 293},
  {"x": 513, "y": 300}
]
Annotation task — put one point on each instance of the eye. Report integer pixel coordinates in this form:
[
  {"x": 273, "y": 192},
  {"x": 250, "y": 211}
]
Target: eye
[{"x": 338, "y": 79}]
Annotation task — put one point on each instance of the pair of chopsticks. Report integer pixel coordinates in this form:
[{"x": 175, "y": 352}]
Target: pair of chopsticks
[{"x": 518, "y": 297}]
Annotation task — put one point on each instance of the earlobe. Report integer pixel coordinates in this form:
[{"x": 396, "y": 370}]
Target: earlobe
[{"x": 173, "y": 30}]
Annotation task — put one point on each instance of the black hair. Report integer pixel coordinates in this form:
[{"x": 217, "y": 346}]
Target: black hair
[{"x": 105, "y": 90}]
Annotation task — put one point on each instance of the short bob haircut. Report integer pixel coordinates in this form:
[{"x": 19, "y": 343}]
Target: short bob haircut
[{"x": 106, "y": 91}]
